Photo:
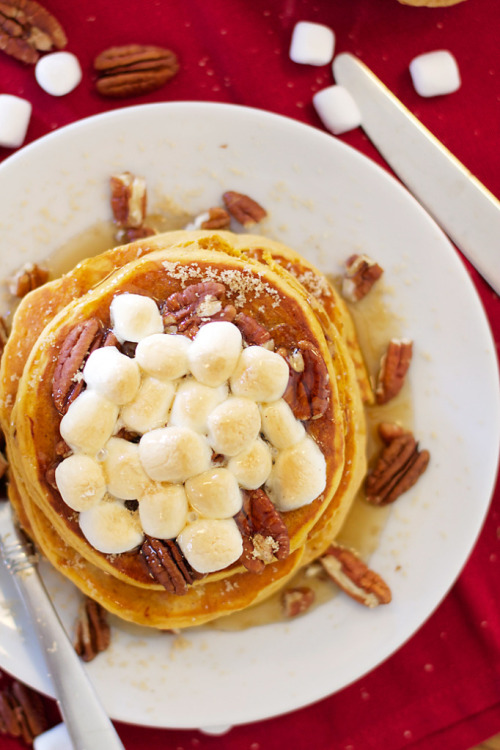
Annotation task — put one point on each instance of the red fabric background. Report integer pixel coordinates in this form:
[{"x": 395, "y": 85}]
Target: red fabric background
[{"x": 441, "y": 691}]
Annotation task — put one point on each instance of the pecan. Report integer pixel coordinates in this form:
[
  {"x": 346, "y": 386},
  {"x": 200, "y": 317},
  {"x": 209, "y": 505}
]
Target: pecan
[
  {"x": 167, "y": 565},
  {"x": 186, "y": 311},
  {"x": 218, "y": 218},
  {"x": 244, "y": 209},
  {"x": 254, "y": 333},
  {"x": 29, "y": 277},
  {"x": 354, "y": 577},
  {"x": 265, "y": 536},
  {"x": 361, "y": 274},
  {"x": 397, "y": 468},
  {"x": 128, "y": 199},
  {"x": 134, "y": 69},
  {"x": 296, "y": 601},
  {"x": 27, "y": 28},
  {"x": 131, "y": 234},
  {"x": 22, "y": 712},
  {"x": 92, "y": 632},
  {"x": 307, "y": 390},
  {"x": 393, "y": 368}
]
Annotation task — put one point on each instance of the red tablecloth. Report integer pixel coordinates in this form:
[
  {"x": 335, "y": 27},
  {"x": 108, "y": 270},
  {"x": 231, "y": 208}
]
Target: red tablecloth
[{"x": 442, "y": 689}]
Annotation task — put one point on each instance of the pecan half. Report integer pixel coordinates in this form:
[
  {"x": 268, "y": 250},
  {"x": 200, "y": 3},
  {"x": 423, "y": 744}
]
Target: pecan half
[
  {"x": 27, "y": 28},
  {"x": 393, "y": 368},
  {"x": 128, "y": 199},
  {"x": 167, "y": 565},
  {"x": 22, "y": 712},
  {"x": 218, "y": 218},
  {"x": 307, "y": 391},
  {"x": 134, "y": 69},
  {"x": 354, "y": 577},
  {"x": 296, "y": 601},
  {"x": 265, "y": 536},
  {"x": 28, "y": 277},
  {"x": 184, "y": 312},
  {"x": 361, "y": 274},
  {"x": 244, "y": 209},
  {"x": 253, "y": 333},
  {"x": 397, "y": 468},
  {"x": 92, "y": 632}
]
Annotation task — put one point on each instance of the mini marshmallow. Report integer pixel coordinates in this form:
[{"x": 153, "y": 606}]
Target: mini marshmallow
[
  {"x": 58, "y": 73},
  {"x": 260, "y": 374},
  {"x": 89, "y": 422},
  {"x": 298, "y": 475},
  {"x": 15, "y": 114},
  {"x": 193, "y": 403},
  {"x": 80, "y": 481},
  {"x": 110, "y": 528},
  {"x": 112, "y": 374},
  {"x": 125, "y": 477},
  {"x": 134, "y": 316},
  {"x": 214, "y": 352},
  {"x": 252, "y": 466},
  {"x": 312, "y": 43},
  {"x": 233, "y": 425},
  {"x": 214, "y": 494},
  {"x": 435, "y": 73},
  {"x": 173, "y": 454},
  {"x": 150, "y": 407},
  {"x": 163, "y": 511},
  {"x": 163, "y": 355},
  {"x": 210, "y": 545},
  {"x": 337, "y": 109},
  {"x": 280, "y": 426}
]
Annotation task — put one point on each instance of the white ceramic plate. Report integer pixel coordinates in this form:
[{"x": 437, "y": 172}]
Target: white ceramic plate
[{"x": 326, "y": 201}]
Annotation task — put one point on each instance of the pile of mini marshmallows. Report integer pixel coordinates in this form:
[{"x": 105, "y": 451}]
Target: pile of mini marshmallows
[
  {"x": 433, "y": 74},
  {"x": 190, "y": 402}
]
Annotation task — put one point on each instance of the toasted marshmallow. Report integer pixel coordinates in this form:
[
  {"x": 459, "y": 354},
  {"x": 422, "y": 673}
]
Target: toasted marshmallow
[
  {"x": 125, "y": 477},
  {"x": 280, "y": 426},
  {"x": 134, "y": 316},
  {"x": 81, "y": 482},
  {"x": 252, "y": 466},
  {"x": 89, "y": 422},
  {"x": 110, "y": 528},
  {"x": 112, "y": 374},
  {"x": 173, "y": 454},
  {"x": 298, "y": 475},
  {"x": 260, "y": 375},
  {"x": 214, "y": 352},
  {"x": 193, "y": 403},
  {"x": 233, "y": 425},
  {"x": 163, "y": 510},
  {"x": 214, "y": 493},
  {"x": 150, "y": 407},
  {"x": 163, "y": 355},
  {"x": 210, "y": 545}
]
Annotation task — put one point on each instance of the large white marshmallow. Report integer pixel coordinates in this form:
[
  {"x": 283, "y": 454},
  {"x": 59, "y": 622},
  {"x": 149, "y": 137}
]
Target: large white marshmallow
[
  {"x": 233, "y": 425},
  {"x": 15, "y": 114},
  {"x": 110, "y": 528},
  {"x": 163, "y": 355},
  {"x": 279, "y": 424},
  {"x": 298, "y": 475},
  {"x": 150, "y": 407},
  {"x": 80, "y": 481},
  {"x": 214, "y": 493},
  {"x": 134, "y": 316},
  {"x": 89, "y": 422},
  {"x": 252, "y": 466},
  {"x": 435, "y": 73},
  {"x": 214, "y": 352},
  {"x": 58, "y": 73},
  {"x": 173, "y": 454},
  {"x": 125, "y": 476},
  {"x": 209, "y": 545},
  {"x": 260, "y": 374},
  {"x": 112, "y": 374},
  {"x": 193, "y": 403},
  {"x": 163, "y": 510},
  {"x": 337, "y": 109},
  {"x": 312, "y": 43}
]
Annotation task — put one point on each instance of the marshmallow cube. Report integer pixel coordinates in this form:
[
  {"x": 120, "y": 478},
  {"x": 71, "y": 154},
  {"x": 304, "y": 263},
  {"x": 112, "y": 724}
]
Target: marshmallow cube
[
  {"x": 435, "y": 73},
  {"x": 58, "y": 73},
  {"x": 312, "y": 44},
  {"x": 337, "y": 109},
  {"x": 15, "y": 114}
]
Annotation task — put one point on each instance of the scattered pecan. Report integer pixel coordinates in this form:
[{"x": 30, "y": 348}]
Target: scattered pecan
[
  {"x": 22, "y": 712},
  {"x": 92, "y": 632},
  {"x": 134, "y": 69},
  {"x": 398, "y": 466},
  {"x": 307, "y": 390},
  {"x": 354, "y": 577},
  {"x": 131, "y": 234},
  {"x": 393, "y": 368},
  {"x": 253, "y": 333},
  {"x": 187, "y": 310},
  {"x": 29, "y": 277},
  {"x": 244, "y": 209},
  {"x": 129, "y": 206},
  {"x": 265, "y": 536},
  {"x": 218, "y": 218},
  {"x": 296, "y": 601},
  {"x": 361, "y": 274},
  {"x": 167, "y": 565},
  {"x": 27, "y": 28}
]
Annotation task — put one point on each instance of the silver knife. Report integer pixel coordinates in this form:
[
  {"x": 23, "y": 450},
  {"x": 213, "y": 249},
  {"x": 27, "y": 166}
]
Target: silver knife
[
  {"x": 88, "y": 726},
  {"x": 462, "y": 206}
]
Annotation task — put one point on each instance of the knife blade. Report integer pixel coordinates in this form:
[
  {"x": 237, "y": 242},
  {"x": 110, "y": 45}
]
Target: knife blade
[{"x": 462, "y": 206}]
